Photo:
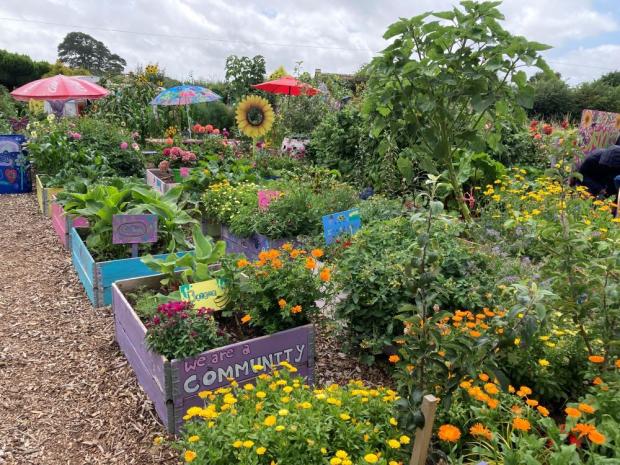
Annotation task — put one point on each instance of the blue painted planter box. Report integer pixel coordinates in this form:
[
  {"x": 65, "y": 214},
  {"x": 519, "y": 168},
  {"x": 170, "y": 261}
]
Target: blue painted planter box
[
  {"x": 251, "y": 246},
  {"x": 98, "y": 277}
]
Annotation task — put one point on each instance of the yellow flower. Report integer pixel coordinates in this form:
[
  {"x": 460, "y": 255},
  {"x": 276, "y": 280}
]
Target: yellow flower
[
  {"x": 483, "y": 377},
  {"x": 158, "y": 441},
  {"x": 261, "y": 450},
  {"x": 258, "y": 367},
  {"x": 335, "y": 461},
  {"x": 393, "y": 421},
  {"x": 345, "y": 416},
  {"x": 491, "y": 389},
  {"x": 261, "y": 395},
  {"x": 254, "y": 116},
  {"x": 189, "y": 456},
  {"x": 449, "y": 433},
  {"x": 283, "y": 412},
  {"x": 248, "y": 444},
  {"x": 371, "y": 458},
  {"x": 341, "y": 454},
  {"x": 393, "y": 443},
  {"x": 404, "y": 439},
  {"x": 282, "y": 303},
  {"x": 270, "y": 420},
  {"x": 280, "y": 428},
  {"x": 517, "y": 341},
  {"x": 296, "y": 309},
  {"x": 543, "y": 363},
  {"x": 193, "y": 438},
  {"x": 237, "y": 444}
]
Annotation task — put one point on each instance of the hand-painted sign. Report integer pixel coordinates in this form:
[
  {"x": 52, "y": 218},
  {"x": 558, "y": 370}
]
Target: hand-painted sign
[
  {"x": 346, "y": 222},
  {"x": 134, "y": 229},
  {"x": 204, "y": 294},
  {"x": 265, "y": 198},
  {"x": 598, "y": 129}
]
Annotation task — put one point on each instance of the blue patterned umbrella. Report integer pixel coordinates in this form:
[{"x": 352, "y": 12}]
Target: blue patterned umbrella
[{"x": 185, "y": 95}]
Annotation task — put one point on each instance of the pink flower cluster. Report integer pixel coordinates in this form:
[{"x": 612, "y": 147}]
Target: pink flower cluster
[
  {"x": 177, "y": 153},
  {"x": 74, "y": 135},
  {"x": 177, "y": 310}
]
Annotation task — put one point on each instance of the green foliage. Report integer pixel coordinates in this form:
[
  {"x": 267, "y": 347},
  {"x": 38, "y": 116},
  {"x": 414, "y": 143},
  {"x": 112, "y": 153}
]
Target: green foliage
[
  {"x": 241, "y": 73},
  {"x": 434, "y": 87},
  {"x": 17, "y": 70},
  {"x": 8, "y": 110},
  {"x": 60, "y": 68},
  {"x": 80, "y": 50},
  {"x": 596, "y": 95},
  {"x": 217, "y": 114},
  {"x": 553, "y": 99}
]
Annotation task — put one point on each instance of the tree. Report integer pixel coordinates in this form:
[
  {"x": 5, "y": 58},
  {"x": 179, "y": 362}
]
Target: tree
[
  {"x": 80, "y": 50},
  {"x": 445, "y": 78},
  {"x": 278, "y": 73},
  {"x": 60, "y": 68},
  {"x": 553, "y": 99},
  {"x": 17, "y": 70},
  {"x": 611, "y": 79},
  {"x": 241, "y": 73}
]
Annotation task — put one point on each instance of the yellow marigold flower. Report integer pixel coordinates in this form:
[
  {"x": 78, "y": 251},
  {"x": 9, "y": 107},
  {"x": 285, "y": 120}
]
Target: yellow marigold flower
[
  {"x": 596, "y": 358},
  {"x": 246, "y": 319},
  {"x": 325, "y": 274},
  {"x": 543, "y": 363},
  {"x": 511, "y": 389},
  {"x": 280, "y": 428},
  {"x": 341, "y": 454},
  {"x": 394, "y": 358},
  {"x": 270, "y": 420},
  {"x": 317, "y": 253},
  {"x": 345, "y": 416},
  {"x": 449, "y": 433},
  {"x": 261, "y": 450},
  {"x": 393, "y": 443},
  {"x": 585, "y": 408},
  {"x": 393, "y": 421},
  {"x": 193, "y": 438},
  {"x": 158, "y": 441},
  {"x": 334, "y": 401},
  {"x": 521, "y": 424},
  {"x": 283, "y": 412},
  {"x": 288, "y": 247},
  {"x": 304, "y": 405},
  {"x": 335, "y": 461},
  {"x": 189, "y": 456},
  {"x": 480, "y": 430},
  {"x": 371, "y": 458},
  {"x": 282, "y": 303},
  {"x": 261, "y": 395},
  {"x": 404, "y": 439},
  {"x": 465, "y": 384},
  {"x": 572, "y": 412},
  {"x": 517, "y": 341},
  {"x": 296, "y": 309},
  {"x": 491, "y": 389},
  {"x": 248, "y": 444}
]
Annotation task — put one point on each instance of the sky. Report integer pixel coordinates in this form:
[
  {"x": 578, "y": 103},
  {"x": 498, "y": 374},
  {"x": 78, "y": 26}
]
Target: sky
[{"x": 192, "y": 38}]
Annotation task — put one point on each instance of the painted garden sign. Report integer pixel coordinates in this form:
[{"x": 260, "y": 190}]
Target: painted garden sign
[{"x": 598, "y": 129}]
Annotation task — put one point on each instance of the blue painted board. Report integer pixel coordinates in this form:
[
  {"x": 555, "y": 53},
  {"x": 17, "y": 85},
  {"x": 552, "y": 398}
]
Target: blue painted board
[
  {"x": 346, "y": 222},
  {"x": 84, "y": 264}
]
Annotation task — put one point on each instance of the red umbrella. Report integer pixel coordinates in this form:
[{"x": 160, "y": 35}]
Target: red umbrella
[
  {"x": 287, "y": 85},
  {"x": 59, "y": 88}
]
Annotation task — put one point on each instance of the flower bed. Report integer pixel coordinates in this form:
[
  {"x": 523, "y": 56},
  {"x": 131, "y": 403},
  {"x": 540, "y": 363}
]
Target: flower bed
[
  {"x": 249, "y": 246},
  {"x": 174, "y": 385}
]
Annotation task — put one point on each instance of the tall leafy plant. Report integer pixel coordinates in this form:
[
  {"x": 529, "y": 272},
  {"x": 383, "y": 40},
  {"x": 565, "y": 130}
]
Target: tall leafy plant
[{"x": 444, "y": 76}]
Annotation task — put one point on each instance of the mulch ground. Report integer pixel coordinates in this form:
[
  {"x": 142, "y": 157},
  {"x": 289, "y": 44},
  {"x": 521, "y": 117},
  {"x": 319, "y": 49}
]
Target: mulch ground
[{"x": 67, "y": 394}]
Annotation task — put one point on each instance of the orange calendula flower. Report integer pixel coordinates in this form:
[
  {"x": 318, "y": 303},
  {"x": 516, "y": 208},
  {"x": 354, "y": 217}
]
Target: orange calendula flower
[
  {"x": 449, "y": 433},
  {"x": 246, "y": 319},
  {"x": 296, "y": 309},
  {"x": 543, "y": 411},
  {"x": 521, "y": 424},
  {"x": 475, "y": 334},
  {"x": 242, "y": 263},
  {"x": 325, "y": 274},
  {"x": 263, "y": 256},
  {"x": 617, "y": 363},
  {"x": 491, "y": 389},
  {"x": 596, "y": 358},
  {"x": 532, "y": 402},
  {"x": 516, "y": 409},
  {"x": 480, "y": 430},
  {"x": 572, "y": 412},
  {"x": 583, "y": 429},
  {"x": 295, "y": 253},
  {"x": 189, "y": 456},
  {"x": 310, "y": 263},
  {"x": 394, "y": 358},
  {"x": 598, "y": 380},
  {"x": 317, "y": 253},
  {"x": 596, "y": 437},
  {"x": 288, "y": 247},
  {"x": 492, "y": 403},
  {"x": 483, "y": 377},
  {"x": 282, "y": 303},
  {"x": 585, "y": 408}
]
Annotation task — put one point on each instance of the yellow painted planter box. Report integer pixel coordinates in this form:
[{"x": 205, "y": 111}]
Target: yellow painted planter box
[{"x": 45, "y": 195}]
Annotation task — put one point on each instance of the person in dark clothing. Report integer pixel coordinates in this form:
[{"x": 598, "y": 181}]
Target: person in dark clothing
[{"x": 599, "y": 170}]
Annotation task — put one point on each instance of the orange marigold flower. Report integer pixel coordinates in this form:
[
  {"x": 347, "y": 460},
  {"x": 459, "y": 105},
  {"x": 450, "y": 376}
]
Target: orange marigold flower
[
  {"x": 242, "y": 262},
  {"x": 521, "y": 424},
  {"x": 617, "y": 363},
  {"x": 273, "y": 254},
  {"x": 310, "y": 263},
  {"x": 572, "y": 412},
  {"x": 532, "y": 402},
  {"x": 596, "y": 358},
  {"x": 277, "y": 263},
  {"x": 282, "y": 303},
  {"x": 583, "y": 429},
  {"x": 492, "y": 403},
  {"x": 516, "y": 409},
  {"x": 483, "y": 377},
  {"x": 480, "y": 430},
  {"x": 317, "y": 253},
  {"x": 295, "y": 253},
  {"x": 596, "y": 437},
  {"x": 475, "y": 334},
  {"x": 598, "y": 380},
  {"x": 394, "y": 358},
  {"x": 543, "y": 411},
  {"x": 288, "y": 247},
  {"x": 465, "y": 384},
  {"x": 491, "y": 388},
  {"x": 296, "y": 309},
  {"x": 263, "y": 255},
  {"x": 524, "y": 391},
  {"x": 511, "y": 389},
  {"x": 585, "y": 408},
  {"x": 449, "y": 433},
  {"x": 245, "y": 319},
  {"x": 325, "y": 274}
]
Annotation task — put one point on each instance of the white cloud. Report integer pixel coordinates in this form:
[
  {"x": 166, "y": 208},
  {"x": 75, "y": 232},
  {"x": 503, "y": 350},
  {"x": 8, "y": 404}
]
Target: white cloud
[
  {"x": 586, "y": 64},
  {"x": 349, "y": 31}
]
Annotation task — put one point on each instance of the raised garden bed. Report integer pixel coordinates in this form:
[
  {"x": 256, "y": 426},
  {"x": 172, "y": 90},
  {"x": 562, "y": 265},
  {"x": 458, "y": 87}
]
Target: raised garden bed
[
  {"x": 62, "y": 223},
  {"x": 251, "y": 246},
  {"x": 45, "y": 195},
  {"x": 97, "y": 277},
  {"x": 173, "y": 385},
  {"x": 162, "y": 183},
  {"x": 211, "y": 228}
]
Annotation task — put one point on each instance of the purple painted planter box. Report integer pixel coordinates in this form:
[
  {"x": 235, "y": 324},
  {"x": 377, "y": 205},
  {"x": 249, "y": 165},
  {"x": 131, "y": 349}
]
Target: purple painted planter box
[
  {"x": 253, "y": 245},
  {"x": 62, "y": 223},
  {"x": 173, "y": 385}
]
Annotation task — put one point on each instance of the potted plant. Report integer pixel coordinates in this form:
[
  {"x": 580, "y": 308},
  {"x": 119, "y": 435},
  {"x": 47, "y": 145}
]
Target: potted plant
[{"x": 178, "y": 347}]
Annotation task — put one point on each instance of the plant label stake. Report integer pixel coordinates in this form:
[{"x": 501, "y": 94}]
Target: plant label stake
[
  {"x": 423, "y": 435},
  {"x": 134, "y": 230},
  {"x": 346, "y": 222},
  {"x": 204, "y": 294}
]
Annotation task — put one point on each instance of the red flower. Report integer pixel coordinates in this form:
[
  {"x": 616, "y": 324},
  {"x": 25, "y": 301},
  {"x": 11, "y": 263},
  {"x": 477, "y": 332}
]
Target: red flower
[
  {"x": 209, "y": 128},
  {"x": 547, "y": 129},
  {"x": 537, "y": 136},
  {"x": 565, "y": 124}
]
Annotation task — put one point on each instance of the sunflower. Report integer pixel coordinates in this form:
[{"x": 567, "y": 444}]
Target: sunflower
[
  {"x": 254, "y": 116},
  {"x": 618, "y": 122},
  {"x": 586, "y": 120}
]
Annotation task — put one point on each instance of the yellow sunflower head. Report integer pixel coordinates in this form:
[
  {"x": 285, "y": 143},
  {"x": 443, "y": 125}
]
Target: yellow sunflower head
[
  {"x": 254, "y": 116},
  {"x": 586, "y": 120}
]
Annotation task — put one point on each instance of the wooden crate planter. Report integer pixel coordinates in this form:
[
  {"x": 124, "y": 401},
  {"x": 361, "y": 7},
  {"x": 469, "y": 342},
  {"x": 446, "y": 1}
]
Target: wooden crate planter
[
  {"x": 153, "y": 179},
  {"x": 62, "y": 223},
  {"x": 173, "y": 385},
  {"x": 97, "y": 277},
  {"x": 211, "y": 228},
  {"x": 253, "y": 245},
  {"x": 45, "y": 195}
]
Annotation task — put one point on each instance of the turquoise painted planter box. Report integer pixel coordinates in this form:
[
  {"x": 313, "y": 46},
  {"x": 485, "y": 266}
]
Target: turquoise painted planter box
[{"x": 98, "y": 277}]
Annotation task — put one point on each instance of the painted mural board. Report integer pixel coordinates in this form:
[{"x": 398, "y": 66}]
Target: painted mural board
[
  {"x": 346, "y": 222},
  {"x": 598, "y": 129}
]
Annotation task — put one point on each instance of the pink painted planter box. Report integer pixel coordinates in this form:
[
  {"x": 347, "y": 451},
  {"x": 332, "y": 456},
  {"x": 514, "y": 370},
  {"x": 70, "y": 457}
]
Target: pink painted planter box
[
  {"x": 62, "y": 223},
  {"x": 173, "y": 385}
]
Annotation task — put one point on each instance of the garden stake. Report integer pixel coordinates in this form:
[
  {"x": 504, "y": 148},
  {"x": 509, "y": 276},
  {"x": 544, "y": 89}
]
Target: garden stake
[{"x": 423, "y": 436}]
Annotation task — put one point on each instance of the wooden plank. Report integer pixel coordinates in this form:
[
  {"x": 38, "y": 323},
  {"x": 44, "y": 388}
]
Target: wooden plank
[
  {"x": 126, "y": 318},
  {"x": 423, "y": 435},
  {"x": 59, "y": 223},
  {"x": 39, "y": 185},
  {"x": 84, "y": 264}
]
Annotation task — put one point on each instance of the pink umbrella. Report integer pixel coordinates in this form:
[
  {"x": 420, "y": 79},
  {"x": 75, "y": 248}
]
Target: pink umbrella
[
  {"x": 61, "y": 88},
  {"x": 287, "y": 85}
]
